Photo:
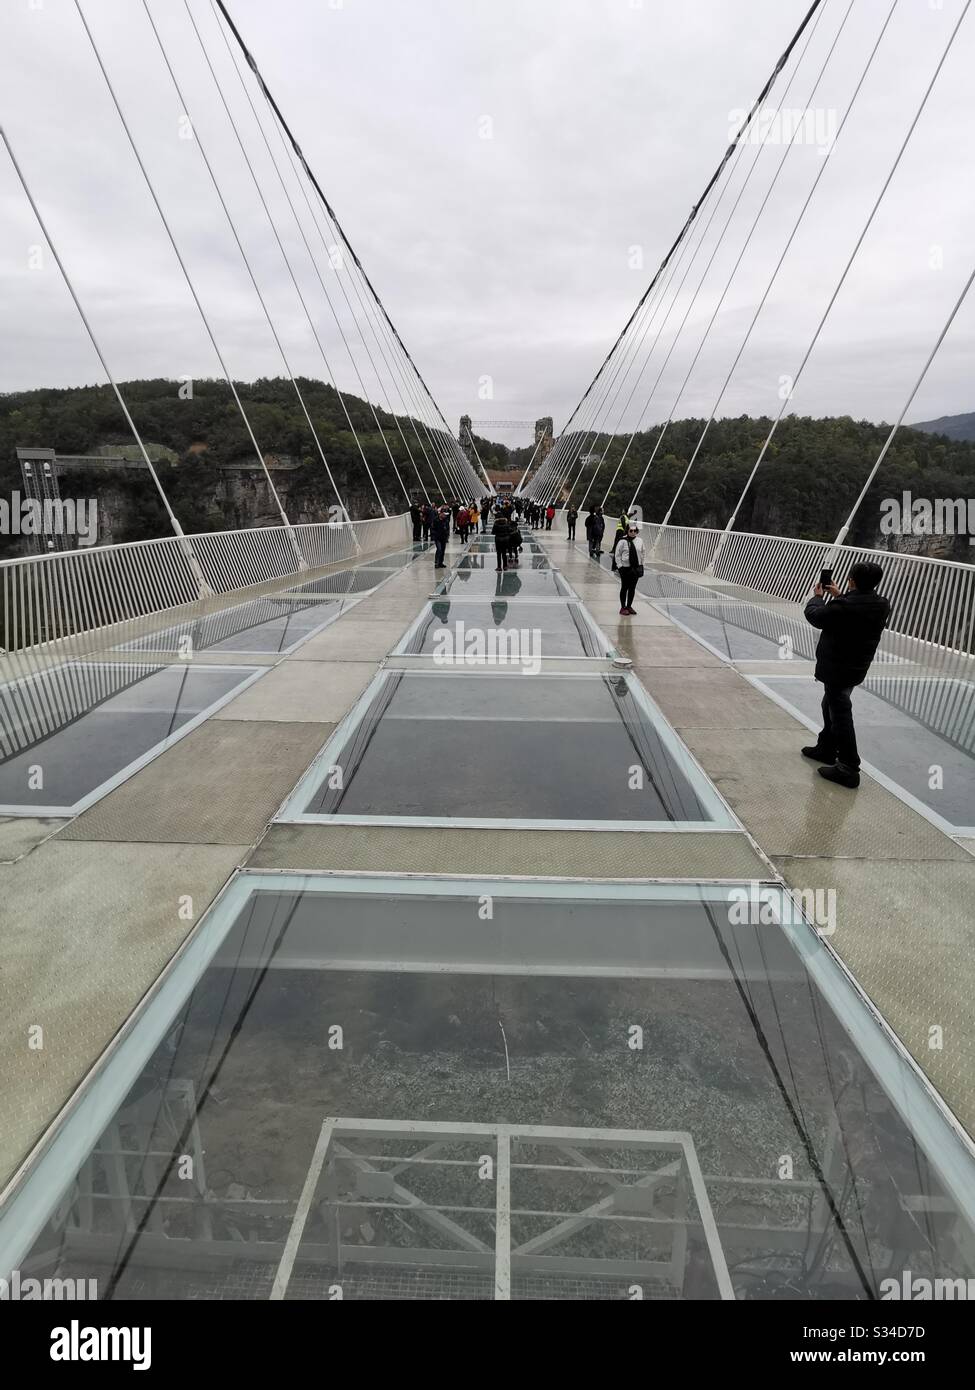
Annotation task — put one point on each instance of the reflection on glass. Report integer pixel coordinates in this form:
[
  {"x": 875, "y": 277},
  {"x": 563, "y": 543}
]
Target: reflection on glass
[
  {"x": 562, "y": 629},
  {"x": 666, "y": 1093},
  {"x": 85, "y": 722},
  {"x": 591, "y": 751}
]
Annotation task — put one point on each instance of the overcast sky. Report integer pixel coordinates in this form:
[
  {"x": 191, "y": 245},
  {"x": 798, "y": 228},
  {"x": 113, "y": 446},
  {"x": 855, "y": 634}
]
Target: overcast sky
[{"x": 510, "y": 172}]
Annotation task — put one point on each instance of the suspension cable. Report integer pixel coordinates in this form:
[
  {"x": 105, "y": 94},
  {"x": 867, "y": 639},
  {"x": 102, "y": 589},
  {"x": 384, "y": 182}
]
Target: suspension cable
[
  {"x": 846, "y": 270},
  {"x": 294, "y": 280},
  {"x": 741, "y": 254},
  {"x": 697, "y": 206},
  {"x": 252, "y": 64},
  {"x": 792, "y": 235},
  {"x": 189, "y": 280},
  {"x": 253, "y": 278},
  {"x": 844, "y": 529},
  {"x": 173, "y": 521}
]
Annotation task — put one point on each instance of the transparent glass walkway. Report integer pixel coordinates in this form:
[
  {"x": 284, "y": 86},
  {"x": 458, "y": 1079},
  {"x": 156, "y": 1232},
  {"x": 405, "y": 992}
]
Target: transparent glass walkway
[{"x": 505, "y": 1002}]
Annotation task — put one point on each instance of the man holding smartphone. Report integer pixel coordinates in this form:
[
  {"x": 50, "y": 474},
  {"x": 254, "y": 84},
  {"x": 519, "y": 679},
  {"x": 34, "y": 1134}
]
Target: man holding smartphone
[{"x": 851, "y": 625}]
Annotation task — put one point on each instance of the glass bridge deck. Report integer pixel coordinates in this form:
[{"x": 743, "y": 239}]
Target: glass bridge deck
[
  {"x": 449, "y": 1087},
  {"x": 644, "y": 1085}
]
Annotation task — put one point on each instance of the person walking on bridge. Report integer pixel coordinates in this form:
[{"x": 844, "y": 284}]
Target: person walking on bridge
[
  {"x": 851, "y": 626},
  {"x": 549, "y": 516},
  {"x": 502, "y": 537},
  {"x": 571, "y": 517},
  {"x": 440, "y": 530},
  {"x": 595, "y": 527},
  {"x": 628, "y": 559},
  {"x": 416, "y": 516}
]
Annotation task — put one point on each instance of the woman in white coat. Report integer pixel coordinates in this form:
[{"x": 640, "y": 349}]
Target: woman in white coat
[{"x": 629, "y": 561}]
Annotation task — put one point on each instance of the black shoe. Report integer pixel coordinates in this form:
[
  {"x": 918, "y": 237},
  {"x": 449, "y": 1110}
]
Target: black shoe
[
  {"x": 818, "y": 755},
  {"x": 842, "y": 776}
]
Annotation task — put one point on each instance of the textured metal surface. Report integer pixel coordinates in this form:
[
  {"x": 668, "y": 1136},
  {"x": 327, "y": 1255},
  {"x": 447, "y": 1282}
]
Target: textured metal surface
[
  {"x": 303, "y": 692},
  {"x": 548, "y": 853},
  {"x": 86, "y": 930},
  {"x": 654, "y": 646},
  {"x": 789, "y": 809},
  {"x": 349, "y": 640},
  {"x": 712, "y": 699},
  {"x": 907, "y": 932},
  {"x": 20, "y": 834},
  {"x": 607, "y": 614},
  {"x": 220, "y": 785}
]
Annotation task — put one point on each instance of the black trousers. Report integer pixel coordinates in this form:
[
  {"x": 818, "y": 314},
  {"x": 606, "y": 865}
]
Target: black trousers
[
  {"x": 628, "y": 581},
  {"x": 501, "y": 548},
  {"x": 839, "y": 735},
  {"x": 572, "y": 530},
  {"x": 548, "y": 522},
  {"x": 438, "y": 558},
  {"x": 416, "y": 530}
]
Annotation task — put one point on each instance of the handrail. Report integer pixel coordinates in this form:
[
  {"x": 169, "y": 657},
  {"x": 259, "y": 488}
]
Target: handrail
[
  {"x": 46, "y": 598},
  {"x": 932, "y": 600}
]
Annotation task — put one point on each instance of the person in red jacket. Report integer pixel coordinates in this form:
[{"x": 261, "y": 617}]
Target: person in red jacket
[{"x": 549, "y": 516}]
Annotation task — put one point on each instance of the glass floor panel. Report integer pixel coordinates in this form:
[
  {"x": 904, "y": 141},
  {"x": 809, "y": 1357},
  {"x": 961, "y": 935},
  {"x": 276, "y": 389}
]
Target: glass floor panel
[
  {"x": 262, "y": 625},
  {"x": 69, "y": 736},
  {"x": 472, "y": 632},
  {"x": 509, "y": 583},
  {"x": 907, "y": 728},
  {"x": 390, "y": 1093},
  {"x": 582, "y": 751},
  {"x": 397, "y": 560},
  {"x": 345, "y": 582},
  {"x": 742, "y": 631},
  {"x": 483, "y": 561},
  {"x": 486, "y": 543}
]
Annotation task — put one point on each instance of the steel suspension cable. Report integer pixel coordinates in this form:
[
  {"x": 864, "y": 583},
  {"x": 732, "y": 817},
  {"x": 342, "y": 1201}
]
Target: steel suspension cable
[
  {"x": 287, "y": 260},
  {"x": 741, "y": 254},
  {"x": 731, "y": 165},
  {"x": 189, "y": 281},
  {"x": 784, "y": 58},
  {"x": 355, "y": 285},
  {"x": 331, "y": 212},
  {"x": 254, "y": 282},
  {"x": 173, "y": 520},
  {"x": 846, "y": 270},
  {"x": 792, "y": 235},
  {"x": 844, "y": 529}
]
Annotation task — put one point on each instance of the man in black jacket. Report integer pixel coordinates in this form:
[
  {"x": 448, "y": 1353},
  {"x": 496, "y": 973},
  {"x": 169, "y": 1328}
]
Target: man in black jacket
[
  {"x": 416, "y": 516},
  {"x": 440, "y": 530},
  {"x": 851, "y": 625}
]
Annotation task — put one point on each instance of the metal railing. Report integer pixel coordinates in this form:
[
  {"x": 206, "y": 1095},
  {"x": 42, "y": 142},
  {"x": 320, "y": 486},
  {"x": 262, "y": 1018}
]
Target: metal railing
[
  {"x": 46, "y": 598},
  {"x": 932, "y": 601}
]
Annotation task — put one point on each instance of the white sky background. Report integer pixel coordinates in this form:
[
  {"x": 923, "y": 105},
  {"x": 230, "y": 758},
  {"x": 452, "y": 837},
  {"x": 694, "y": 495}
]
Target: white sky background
[{"x": 508, "y": 257}]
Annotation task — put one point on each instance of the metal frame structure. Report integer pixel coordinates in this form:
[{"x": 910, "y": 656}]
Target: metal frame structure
[
  {"x": 27, "y": 1201},
  {"x": 339, "y": 1168}
]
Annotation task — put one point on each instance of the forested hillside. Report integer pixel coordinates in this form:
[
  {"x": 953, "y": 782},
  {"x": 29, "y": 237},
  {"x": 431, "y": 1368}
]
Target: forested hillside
[{"x": 809, "y": 479}]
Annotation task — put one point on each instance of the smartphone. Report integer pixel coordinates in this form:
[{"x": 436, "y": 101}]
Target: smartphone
[{"x": 826, "y": 578}]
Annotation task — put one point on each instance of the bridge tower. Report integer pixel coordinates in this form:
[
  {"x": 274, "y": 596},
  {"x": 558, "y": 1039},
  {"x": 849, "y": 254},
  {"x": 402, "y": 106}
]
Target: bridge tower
[{"x": 544, "y": 437}]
